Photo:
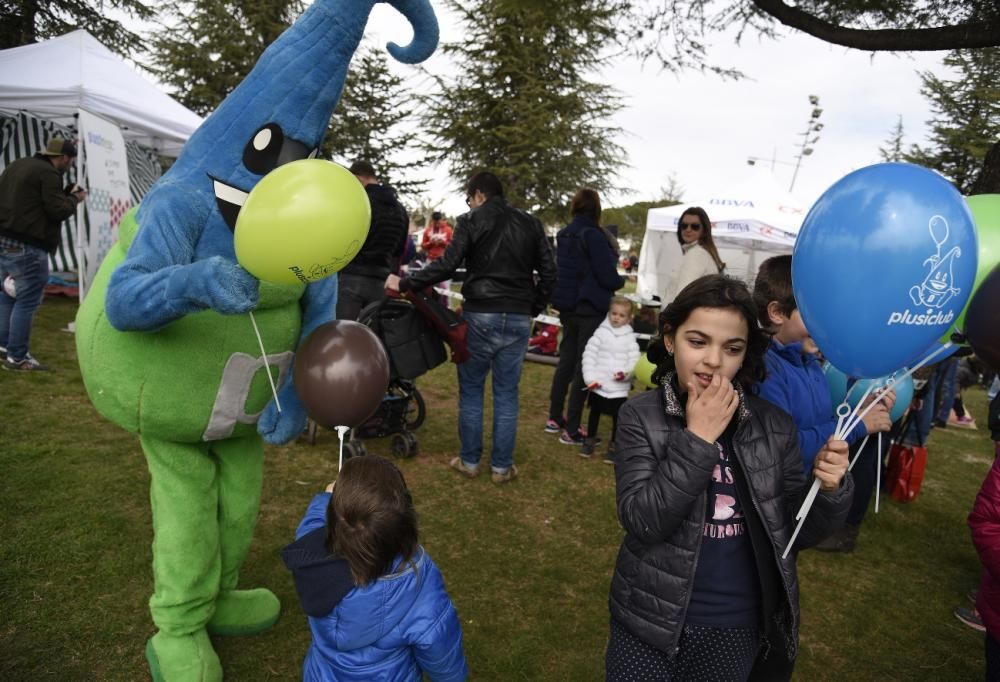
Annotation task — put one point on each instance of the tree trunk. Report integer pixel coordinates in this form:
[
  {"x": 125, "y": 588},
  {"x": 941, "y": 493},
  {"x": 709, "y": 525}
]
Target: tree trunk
[{"x": 988, "y": 180}]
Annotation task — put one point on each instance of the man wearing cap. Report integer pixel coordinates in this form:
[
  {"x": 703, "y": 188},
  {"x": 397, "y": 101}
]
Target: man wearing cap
[{"x": 33, "y": 205}]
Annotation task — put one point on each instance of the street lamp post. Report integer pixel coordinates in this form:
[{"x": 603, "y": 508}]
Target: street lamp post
[{"x": 813, "y": 126}]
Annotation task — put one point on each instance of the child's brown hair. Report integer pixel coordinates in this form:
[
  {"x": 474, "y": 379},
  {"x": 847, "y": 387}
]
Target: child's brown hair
[
  {"x": 371, "y": 519},
  {"x": 774, "y": 283}
]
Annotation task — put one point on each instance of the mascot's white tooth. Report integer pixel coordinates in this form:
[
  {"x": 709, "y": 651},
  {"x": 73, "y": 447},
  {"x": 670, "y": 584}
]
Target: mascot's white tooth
[{"x": 230, "y": 194}]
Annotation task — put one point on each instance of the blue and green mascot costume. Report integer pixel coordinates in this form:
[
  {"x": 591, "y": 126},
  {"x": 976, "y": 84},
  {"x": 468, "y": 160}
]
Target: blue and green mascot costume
[{"x": 167, "y": 347}]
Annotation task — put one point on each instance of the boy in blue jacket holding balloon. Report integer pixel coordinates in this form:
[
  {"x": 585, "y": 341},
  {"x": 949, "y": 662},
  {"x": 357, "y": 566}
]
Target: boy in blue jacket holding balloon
[{"x": 795, "y": 380}]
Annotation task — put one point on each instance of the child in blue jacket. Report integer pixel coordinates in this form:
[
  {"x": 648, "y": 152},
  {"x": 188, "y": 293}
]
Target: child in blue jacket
[
  {"x": 795, "y": 380},
  {"x": 377, "y": 605}
]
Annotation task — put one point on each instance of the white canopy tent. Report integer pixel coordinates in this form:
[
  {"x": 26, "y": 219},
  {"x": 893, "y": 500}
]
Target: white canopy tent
[
  {"x": 56, "y": 78},
  {"x": 750, "y": 222},
  {"x": 47, "y": 89}
]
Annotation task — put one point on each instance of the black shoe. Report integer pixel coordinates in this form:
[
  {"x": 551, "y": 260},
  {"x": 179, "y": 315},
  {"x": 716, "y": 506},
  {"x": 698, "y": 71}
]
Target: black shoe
[
  {"x": 940, "y": 424},
  {"x": 609, "y": 456},
  {"x": 587, "y": 449}
]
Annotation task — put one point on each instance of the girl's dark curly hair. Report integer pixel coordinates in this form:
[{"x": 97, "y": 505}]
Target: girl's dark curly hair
[{"x": 712, "y": 291}]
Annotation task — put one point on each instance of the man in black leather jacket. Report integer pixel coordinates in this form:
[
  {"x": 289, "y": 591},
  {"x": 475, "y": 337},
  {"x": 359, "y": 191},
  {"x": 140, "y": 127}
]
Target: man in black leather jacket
[
  {"x": 361, "y": 281},
  {"x": 510, "y": 273}
]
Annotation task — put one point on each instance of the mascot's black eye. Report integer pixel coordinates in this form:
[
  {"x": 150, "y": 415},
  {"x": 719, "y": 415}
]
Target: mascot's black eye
[{"x": 261, "y": 153}]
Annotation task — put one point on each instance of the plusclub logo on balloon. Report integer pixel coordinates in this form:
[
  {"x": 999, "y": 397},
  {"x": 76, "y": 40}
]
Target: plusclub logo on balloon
[
  {"x": 937, "y": 288},
  {"x": 883, "y": 266}
]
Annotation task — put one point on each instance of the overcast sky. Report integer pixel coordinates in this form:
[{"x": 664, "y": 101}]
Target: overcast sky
[{"x": 702, "y": 128}]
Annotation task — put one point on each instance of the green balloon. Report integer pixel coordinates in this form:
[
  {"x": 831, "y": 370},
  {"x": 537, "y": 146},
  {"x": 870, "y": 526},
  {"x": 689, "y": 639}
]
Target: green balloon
[
  {"x": 644, "y": 372},
  {"x": 986, "y": 212},
  {"x": 302, "y": 222}
]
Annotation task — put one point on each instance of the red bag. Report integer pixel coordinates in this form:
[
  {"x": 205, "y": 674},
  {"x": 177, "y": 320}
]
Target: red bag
[{"x": 907, "y": 464}]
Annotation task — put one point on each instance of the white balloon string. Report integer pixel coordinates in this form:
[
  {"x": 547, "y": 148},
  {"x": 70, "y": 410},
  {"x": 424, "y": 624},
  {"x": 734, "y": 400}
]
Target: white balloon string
[
  {"x": 853, "y": 418},
  {"x": 863, "y": 443},
  {"x": 909, "y": 372},
  {"x": 843, "y": 429},
  {"x": 843, "y": 410},
  {"x": 802, "y": 519},
  {"x": 341, "y": 432},
  {"x": 878, "y": 471},
  {"x": 267, "y": 367}
]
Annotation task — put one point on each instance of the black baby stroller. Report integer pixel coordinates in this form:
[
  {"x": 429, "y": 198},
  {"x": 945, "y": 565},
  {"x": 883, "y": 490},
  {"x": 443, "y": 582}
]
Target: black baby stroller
[{"x": 414, "y": 348}]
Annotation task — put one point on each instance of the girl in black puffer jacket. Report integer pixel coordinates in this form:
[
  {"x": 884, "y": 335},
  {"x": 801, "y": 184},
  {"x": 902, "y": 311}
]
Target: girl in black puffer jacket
[{"x": 709, "y": 479}]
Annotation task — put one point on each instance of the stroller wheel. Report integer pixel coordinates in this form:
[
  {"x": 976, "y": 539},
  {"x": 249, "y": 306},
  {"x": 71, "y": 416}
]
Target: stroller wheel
[
  {"x": 416, "y": 411},
  {"x": 411, "y": 440},
  {"x": 403, "y": 445},
  {"x": 354, "y": 448}
]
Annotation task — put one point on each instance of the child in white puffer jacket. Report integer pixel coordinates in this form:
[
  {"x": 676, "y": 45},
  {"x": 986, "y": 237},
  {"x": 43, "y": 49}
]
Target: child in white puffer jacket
[{"x": 608, "y": 361}]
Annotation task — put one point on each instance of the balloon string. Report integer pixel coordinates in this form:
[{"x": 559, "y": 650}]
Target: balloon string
[
  {"x": 896, "y": 379},
  {"x": 852, "y": 422},
  {"x": 878, "y": 470},
  {"x": 341, "y": 432},
  {"x": 863, "y": 443},
  {"x": 267, "y": 366},
  {"x": 810, "y": 498}
]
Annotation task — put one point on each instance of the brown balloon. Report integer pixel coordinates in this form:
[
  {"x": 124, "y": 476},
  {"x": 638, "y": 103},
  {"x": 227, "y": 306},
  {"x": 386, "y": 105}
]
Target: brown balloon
[
  {"x": 341, "y": 373},
  {"x": 982, "y": 320}
]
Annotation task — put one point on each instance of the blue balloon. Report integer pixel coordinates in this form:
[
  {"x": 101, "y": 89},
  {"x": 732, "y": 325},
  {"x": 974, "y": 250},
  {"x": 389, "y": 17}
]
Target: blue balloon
[
  {"x": 883, "y": 265},
  {"x": 837, "y": 382}
]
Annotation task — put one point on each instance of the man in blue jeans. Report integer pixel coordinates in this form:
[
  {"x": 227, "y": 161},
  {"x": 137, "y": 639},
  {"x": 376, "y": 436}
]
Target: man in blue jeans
[
  {"x": 510, "y": 273},
  {"x": 33, "y": 205}
]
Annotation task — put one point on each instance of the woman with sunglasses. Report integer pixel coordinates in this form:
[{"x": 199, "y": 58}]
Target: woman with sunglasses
[{"x": 694, "y": 232}]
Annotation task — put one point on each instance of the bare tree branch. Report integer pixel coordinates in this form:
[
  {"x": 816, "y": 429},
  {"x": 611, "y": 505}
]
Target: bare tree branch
[{"x": 959, "y": 36}]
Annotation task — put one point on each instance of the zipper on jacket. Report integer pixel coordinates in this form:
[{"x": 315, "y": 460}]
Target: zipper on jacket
[
  {"x": 774, "y": 551},
  {"x": 703, "y": 499}
]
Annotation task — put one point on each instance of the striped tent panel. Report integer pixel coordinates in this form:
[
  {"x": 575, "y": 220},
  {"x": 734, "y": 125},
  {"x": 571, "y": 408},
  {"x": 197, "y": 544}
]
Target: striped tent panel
[{"x": 25, "y": 135}]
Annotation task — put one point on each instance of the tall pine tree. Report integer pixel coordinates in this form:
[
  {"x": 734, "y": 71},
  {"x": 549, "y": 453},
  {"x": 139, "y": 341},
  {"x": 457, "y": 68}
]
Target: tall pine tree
[
  {"x": 524, "y": 104},
  {"x": 27, "y": 21},
  {"x": 893, "y": 149},
  {"x": 966, "y": 119},
  {"x": 206, "y": 47},
  {"x": 368, "y": 123}
]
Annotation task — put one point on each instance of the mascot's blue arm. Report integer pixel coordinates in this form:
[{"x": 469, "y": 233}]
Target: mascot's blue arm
[
  {"x": 162, "y": 279},
  {"x": 319, "y": 306}
]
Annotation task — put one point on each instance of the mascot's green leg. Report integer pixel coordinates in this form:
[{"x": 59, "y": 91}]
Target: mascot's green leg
[
  {"x": 186, "y": 559},
  {"x": 241, "y": 471}
]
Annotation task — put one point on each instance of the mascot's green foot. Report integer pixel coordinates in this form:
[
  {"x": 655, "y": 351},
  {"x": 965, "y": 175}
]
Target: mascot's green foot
[
  {"x": 244, "y": 612},
  {"x": 183, "y": 658}
]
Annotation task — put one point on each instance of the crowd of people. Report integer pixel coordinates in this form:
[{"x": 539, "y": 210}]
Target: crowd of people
[{"x": 710, "y": 467}]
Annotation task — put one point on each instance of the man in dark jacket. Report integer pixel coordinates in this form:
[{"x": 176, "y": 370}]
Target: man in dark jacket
[
  {"x": 361, "y": 282},
  {"x": 503, "y": 248},
  {"x": 33, "y": 205}
]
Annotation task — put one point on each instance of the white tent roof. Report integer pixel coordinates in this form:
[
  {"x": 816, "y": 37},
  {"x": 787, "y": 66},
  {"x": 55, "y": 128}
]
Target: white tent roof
[
  {"x": 751, "y": 221},
  {"x": 55, "y": 78},
  {"x": 757, "y": 209}
]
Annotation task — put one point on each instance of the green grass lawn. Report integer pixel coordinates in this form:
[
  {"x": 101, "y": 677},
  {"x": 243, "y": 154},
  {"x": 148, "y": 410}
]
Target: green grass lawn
[{"x": 527, "y": 565}]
